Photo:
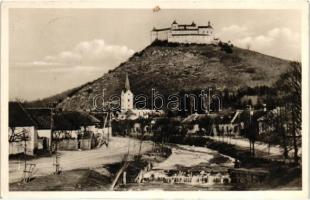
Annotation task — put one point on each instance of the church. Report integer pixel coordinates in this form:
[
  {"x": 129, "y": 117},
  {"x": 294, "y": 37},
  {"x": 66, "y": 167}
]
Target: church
[
  {"x": 126, "y": 97},
  {"x": 128, "y": 110},
  {"x": 185, "y": 33}
]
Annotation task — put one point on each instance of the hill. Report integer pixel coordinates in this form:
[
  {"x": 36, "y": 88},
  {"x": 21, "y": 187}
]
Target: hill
[{"x": 170, "y": 68}]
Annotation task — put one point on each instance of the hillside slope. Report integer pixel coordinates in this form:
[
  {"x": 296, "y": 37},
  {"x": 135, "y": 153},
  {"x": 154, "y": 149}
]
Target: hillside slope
[{"x": 170, "y": 68}]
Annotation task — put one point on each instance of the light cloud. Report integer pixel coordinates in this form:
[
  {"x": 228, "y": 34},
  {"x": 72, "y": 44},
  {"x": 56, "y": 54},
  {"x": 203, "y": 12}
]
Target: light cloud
[
  {"x": 93, "y": 55},
  {"x": 235, "y": 29},
  {"x": 280, "y": 42},
  {"x": 232, "y": 32}
]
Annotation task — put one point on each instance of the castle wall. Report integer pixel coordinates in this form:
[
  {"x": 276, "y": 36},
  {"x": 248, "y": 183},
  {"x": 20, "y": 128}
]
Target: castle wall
[
  {"x": 159, "y": 35},
  {"x": 200, "y": 39},
  {"x": 205, "y": 31},
  {"x": 188, "y": 31}
]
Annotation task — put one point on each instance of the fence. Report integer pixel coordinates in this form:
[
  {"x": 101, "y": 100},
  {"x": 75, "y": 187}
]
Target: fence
[{"x": 74, "y": 144}]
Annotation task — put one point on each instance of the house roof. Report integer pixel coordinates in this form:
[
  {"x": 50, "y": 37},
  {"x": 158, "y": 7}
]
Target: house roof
[
  {"x": 73, "y": 120},
  {"x": 18, "y": 116},
  {"x": 270, "y": 114},
  {"x": 209, "y": 26},
  {"x": 185, "y": 25},
  {"x": 193, "y": 117},
  {"x": 42, "y": 117},
  {"x": 160, "y": 29},
  {"x": 127, "y": 85},
  {"x": 223, "y": 117},
  {"x": 255, "y": 115}
]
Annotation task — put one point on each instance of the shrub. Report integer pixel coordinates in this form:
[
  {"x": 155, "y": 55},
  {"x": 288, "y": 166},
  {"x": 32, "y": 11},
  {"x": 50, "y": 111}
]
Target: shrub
[{"x": 227, "y": 48}]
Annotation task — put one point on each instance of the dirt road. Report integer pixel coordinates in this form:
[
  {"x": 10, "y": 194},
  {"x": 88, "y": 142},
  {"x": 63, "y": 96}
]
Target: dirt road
[
  {"x": 69, "y": 160},
  {"x": 275, "y": 152}
]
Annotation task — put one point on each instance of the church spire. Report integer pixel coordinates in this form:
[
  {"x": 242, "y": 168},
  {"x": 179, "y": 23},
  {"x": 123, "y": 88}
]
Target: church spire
[{"x": 127, "y": 85}]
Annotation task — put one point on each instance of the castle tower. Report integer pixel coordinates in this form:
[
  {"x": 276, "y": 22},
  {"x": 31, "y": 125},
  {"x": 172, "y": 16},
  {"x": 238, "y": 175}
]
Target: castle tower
[{"x": 126, "y": 97}]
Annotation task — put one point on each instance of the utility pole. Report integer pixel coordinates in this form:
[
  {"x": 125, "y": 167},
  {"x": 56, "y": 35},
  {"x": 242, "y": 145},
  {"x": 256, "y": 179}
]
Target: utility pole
[
  {"x": 209, "y": 99},
  {"x": 110, "y": 124},
  {"x": 57, "y": 156},
  {"x": 250, "y": 128},
  {"x": 25, "y": 155}
]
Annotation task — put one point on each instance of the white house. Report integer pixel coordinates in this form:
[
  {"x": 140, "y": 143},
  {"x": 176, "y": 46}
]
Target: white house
[
  {"x": 43, "y": 119},
  {"x": 22, "y": 131}
]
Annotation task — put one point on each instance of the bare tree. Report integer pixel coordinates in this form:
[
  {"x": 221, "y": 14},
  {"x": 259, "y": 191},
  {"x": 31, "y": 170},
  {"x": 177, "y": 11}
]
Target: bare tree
[
  {"x": 23, "y": 137},
  {"x": 294, "y": 81},
  {"x": 56, "y": 139},
  {"x": 289, "y": 87}
]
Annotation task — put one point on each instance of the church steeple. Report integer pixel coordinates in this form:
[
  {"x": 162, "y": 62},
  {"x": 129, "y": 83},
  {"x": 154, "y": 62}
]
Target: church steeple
[
  {"x": 127, "y": 85},
  {"x": 126, "y": 97}
]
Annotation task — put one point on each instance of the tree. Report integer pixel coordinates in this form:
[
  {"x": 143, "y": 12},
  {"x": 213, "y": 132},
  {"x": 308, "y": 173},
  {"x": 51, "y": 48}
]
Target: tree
[
  {"x": 227, "y": 48},
  {"x": 289, "y": 89},
  {"x": 166, "y": 128},
  {"x": 206, "y": 124},
  {"x": 269, "y": 133},
  {"x": 251, "y": 128},
  {"x": 144, "y": 123},
  {"x": 122, "y": 127}
]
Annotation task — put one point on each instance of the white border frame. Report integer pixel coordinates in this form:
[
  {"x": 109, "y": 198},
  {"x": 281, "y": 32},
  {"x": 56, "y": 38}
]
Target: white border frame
[{"x": 149, "y": 4}]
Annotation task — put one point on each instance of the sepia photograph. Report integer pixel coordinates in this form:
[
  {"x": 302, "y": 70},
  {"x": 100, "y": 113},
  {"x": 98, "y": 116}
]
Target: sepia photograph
[{"x": 154, "y": 99}]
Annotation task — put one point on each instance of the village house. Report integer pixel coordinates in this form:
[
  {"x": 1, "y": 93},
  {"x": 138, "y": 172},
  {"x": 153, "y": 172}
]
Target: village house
[
  {"x": 138, "y": 128},
  {"x": 191, "y": 123},
  {"x": 250, "y": 119},
  {"x": 74, "y": 130},
  {"x": 37, "y": 129},
  {"x": 23, "y": 133},
  {"x": 43, "y": 119},
  {"x": 227, "y": 124},
  {"x": 267, "y": 122},
  {"x": 217, "y": 124}
]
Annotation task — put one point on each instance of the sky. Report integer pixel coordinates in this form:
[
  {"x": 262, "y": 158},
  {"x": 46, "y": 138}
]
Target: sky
[{"x": 52, "y": 50}]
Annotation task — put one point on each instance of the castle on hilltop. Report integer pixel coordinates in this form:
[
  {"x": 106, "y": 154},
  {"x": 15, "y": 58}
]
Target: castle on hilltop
[{"x": 185, "y": 33}]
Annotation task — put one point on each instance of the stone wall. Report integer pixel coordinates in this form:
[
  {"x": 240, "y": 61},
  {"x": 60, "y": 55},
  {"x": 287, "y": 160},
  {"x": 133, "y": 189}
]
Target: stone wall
[{"x": 73, "y": 144}]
